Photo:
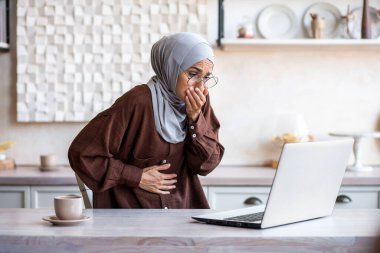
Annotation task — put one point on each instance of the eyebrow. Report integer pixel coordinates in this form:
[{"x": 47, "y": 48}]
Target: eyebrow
[{"x": 200, "y": 70}]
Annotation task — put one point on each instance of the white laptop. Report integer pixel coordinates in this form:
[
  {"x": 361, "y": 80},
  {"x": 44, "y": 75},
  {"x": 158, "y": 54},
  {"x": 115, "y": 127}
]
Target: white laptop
[{"x": 305, "y": 187}]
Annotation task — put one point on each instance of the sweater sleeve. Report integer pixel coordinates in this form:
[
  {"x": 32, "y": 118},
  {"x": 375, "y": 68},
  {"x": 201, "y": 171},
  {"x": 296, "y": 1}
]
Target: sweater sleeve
[
  {"x": 203, "y": 150},
  {"x": 92, "y": 154}
]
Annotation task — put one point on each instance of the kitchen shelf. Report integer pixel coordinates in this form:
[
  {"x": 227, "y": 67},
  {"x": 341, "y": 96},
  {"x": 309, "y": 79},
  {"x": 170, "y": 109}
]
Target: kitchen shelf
[
  {"x": 244, "y": 44},
  {"x": 236, "y": 44}
]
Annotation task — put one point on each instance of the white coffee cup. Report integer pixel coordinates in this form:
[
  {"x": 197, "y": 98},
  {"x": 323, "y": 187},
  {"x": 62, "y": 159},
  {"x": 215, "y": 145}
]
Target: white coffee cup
[
  {"x": 48, "y": 161},
  {"x": 68, "y": 207}
]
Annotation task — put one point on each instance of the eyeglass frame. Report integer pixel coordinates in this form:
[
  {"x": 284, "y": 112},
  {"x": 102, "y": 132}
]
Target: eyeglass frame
[{"x": 202, "y": 79}]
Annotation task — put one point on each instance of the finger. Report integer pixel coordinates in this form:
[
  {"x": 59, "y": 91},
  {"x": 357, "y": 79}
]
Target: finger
[
  {"x": 193, "y": 103},
  {"x": 168, "y": 182},
  {"x": 166, "y": 187},
  {"x": 149, "y": 168},
  {"x": 169, "y": 176},
  {"x": 197, "y": 99},
  {"x": 205, "y": 92},
  {"x": 200, "y": 95},
  {"x": 188, "y": 104},
  {"x": 163, "y": 167},
  {"x": 161, "y": 192}
]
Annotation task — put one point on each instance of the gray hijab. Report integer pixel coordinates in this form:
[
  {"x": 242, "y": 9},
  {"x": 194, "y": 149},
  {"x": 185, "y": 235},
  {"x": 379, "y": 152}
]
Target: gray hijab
[{"x": 170, "y": 56}]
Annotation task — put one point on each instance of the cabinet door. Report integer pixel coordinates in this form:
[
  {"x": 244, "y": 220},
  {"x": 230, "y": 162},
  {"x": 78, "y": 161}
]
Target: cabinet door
[
  {"x": 237, "y": 197},
  {"x": 14, "y": 197},
  {"x": 358, "y": 197},
  {"x": 43, "y": 196}
]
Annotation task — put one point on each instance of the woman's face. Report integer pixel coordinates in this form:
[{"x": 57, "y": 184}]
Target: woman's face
[{"x": 201, "y": 69}]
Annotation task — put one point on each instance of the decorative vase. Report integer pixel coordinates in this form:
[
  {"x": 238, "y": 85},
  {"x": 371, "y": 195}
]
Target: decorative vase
[
  {"x": 366, "y": 21},
  {"x": 317, "y": 26}
]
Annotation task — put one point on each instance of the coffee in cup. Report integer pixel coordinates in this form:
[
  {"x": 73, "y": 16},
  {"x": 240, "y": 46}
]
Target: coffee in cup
[{"x": 68, "y": 207}]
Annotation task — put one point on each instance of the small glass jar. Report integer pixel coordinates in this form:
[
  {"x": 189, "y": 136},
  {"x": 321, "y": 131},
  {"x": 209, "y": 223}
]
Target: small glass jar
[{"x": 245, "y": 29}]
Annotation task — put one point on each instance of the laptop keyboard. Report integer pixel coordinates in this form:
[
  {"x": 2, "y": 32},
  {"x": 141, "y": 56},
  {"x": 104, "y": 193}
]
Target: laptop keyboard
[{"x": 247, "y": 217}]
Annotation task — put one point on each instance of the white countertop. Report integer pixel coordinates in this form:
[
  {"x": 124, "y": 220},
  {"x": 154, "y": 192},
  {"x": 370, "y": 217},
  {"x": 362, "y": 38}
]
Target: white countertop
[{"x": 173, "y": 230}]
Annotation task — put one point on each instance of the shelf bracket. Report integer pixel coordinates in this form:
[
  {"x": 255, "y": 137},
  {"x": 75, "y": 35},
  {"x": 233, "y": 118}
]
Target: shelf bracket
[
  {"x": 8, "y": 20},
  {"x": 220, "y": 23},
  {"x": 4, "y": 45}
]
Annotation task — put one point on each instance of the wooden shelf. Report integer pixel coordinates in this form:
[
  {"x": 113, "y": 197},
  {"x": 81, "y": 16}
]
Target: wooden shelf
[{"x": 246, "y": 44}]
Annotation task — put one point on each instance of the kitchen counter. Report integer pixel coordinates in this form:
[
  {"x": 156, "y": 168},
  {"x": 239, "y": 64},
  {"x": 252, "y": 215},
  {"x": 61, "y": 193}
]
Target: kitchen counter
[
  {"x": 249, "y": 175},
  {"x": 31, "y": 175},
  {"x": 165, "y": 230},
  {"x": 223, "y": 175}
]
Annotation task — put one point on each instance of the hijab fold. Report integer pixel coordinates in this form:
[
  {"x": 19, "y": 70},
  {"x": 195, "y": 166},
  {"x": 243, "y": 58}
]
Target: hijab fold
[{"x": 170, "y": 56}]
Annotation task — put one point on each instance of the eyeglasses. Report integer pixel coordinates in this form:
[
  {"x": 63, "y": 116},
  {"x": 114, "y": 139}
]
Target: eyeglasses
[{"x": 208, "y": 82}]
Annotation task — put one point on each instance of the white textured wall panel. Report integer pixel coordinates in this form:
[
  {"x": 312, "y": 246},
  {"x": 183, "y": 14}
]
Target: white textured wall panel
[{"x": 74, "y": 58}]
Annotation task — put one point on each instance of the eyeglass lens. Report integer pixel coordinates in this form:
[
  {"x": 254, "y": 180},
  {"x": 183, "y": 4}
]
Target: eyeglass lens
[{"x": 207, "y": 82}]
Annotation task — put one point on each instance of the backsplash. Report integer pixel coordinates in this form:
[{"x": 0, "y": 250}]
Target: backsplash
[{"x": 335, "y": 89}]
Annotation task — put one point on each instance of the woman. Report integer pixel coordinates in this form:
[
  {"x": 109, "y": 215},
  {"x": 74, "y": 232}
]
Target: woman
[{"x": 147, "y": 149}]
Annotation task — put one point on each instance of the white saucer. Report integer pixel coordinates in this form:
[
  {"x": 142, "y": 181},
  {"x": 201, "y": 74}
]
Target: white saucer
[{"x": 53, "y": 219}]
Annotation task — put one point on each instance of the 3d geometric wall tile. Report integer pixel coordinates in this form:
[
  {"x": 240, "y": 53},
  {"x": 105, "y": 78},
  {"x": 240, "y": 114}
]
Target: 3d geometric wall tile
[{"x": 75, "y": 57}]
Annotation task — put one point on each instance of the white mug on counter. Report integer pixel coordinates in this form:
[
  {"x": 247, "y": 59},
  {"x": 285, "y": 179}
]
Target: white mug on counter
[
  {"x": 48, "y": 162},
  {"x": 68, "y": 207}
]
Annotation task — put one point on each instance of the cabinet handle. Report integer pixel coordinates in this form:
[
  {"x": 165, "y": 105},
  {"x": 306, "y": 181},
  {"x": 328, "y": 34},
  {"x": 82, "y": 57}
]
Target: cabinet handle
[
  {"x": 344, "y": 199},
  {"x": 253, "y": 201}
]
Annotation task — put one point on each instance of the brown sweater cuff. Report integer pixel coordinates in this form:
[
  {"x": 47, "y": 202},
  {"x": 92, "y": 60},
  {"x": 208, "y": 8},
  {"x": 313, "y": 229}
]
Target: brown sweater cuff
[
  {"x": 197, "y": 128},
  {"x": 131, "y": 176}
]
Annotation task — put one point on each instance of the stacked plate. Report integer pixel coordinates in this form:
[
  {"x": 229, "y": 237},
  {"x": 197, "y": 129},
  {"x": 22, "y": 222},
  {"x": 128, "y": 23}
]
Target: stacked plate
[{"x": 277, "y": 22}]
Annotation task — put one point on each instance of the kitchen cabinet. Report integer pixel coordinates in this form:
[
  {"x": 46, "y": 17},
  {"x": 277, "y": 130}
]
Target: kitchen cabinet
[
  {"x": 358, "y": 197},
  {"x": 227, "y": 187},
  {"x": 27, "y": 186},
  {"x": 14, "y": 196},
  {"x": 43, "y": 196},
  {"x": 33, "y": 196},
  {"x": 219, "y": 197},
  {"x": 231, "y": 187},
  {"x": 38, "y": 196},
  {"x": 232, "y": 197}
]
